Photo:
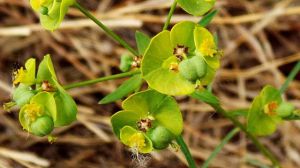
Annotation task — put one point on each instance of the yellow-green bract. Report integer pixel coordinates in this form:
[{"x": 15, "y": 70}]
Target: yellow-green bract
[
  {"x": 150, "y": 120},
  {"x": 46, "y": 107},
  {"x": 52, "y": 12},
  {"x": 165, "y": 65},
  {"x": 267, "y": 111}
]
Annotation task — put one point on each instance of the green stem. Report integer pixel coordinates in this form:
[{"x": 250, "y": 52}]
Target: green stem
[
  {"x": 227, "y": 138},
  {"x": 106, "y": 78},
  {"x": 106, "y": 29},
  {"x": 255, "y": 141},
  {"x": 185, "y": 151},
  {"x": 171, "y": 12},
  {"x": 291, "y": 76}
]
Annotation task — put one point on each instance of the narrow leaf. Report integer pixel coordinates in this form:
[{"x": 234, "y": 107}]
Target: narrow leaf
[
  {"x": 126, "y": 88},
  {"x": 208, "y": 18},
  {"x": 142, "y": 41}
]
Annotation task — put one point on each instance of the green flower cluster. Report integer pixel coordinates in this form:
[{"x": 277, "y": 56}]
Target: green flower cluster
[
  {"x": 52, "y": 12},
  {"x": 267, "y": 111},
  {"x": 150, "y": 120},
  {"x": 43, "y": 102},
  {"x": 178, "y": 61}
]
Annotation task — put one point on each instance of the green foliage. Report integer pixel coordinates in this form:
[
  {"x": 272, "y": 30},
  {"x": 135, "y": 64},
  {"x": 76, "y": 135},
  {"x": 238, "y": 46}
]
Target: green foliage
[
  {"x": 196, "y": 7},
  {"x": 52, "y": 12},
  {"x": 142, "y": 41},
  {"x": 165, "y": 63},
  {"x": 48, "y": 104},
  {"x": 152, "y": 116},
  {"x": 208, "y": 18},
  {"x": 125, "y": 89}
]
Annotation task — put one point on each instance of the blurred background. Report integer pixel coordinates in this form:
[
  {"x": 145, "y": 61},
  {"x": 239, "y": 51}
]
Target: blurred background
[{"x": 260, "y": 39}]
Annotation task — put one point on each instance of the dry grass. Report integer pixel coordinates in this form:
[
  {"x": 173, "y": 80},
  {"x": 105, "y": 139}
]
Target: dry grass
[{"x": 261, "y": 43}]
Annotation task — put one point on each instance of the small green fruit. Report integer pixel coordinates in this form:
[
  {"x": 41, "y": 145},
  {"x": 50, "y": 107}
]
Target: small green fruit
[
  {"x": 160, "y": 137},
  {"x": 285, "y": 109},
  {"x": 44, "y": 10},
  {"x": 42, "y": 126},
  {"x": 187, "y": 70},
  {"x": 193, "y": 68},
  {"x": 199, "y": 65}
]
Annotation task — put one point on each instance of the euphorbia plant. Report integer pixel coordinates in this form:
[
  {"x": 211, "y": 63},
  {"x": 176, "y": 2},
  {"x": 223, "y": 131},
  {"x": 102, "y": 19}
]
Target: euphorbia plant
[
  {"x": 52, "y": 12},
  {"x": 149, "y": 120},
  {"x": 182, "y": 61},
  {"x": 179, "y": 61},
  {"x": 43, "y": 102}
]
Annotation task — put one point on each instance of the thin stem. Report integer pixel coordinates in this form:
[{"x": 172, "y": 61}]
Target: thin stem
[
  {"x": 185, "y": 151},
  {"x": 227, "y": 138},
  {"x": 106, "y": 29},
  {"x": 171, "y": 12},
  {"x": 291, "y": 76},
  {"x": 255, "y": 141},
  {"x": 106, "y": 78}
]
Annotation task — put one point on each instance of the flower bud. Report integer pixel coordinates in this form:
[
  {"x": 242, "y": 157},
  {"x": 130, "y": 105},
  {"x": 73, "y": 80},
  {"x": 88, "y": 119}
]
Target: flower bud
[
  {"x": 42, "y": 126},
  {"x": 126, "y": 61},
  {"x": 160, "y": 137}
]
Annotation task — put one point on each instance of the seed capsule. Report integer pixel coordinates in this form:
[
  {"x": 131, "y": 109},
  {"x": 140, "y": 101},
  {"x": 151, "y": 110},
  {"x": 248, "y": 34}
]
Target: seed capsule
[
  {"x": 160, "y": 137},
  {"x": 44, "y": 10},
  {"x": 285, "y": 109},
  {"x": 42, "y": 126},
  {"x": 193, "y": 68}
]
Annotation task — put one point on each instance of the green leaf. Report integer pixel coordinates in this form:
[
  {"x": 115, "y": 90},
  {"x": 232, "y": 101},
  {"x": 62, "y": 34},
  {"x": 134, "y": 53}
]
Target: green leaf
[
  {"x": 142, "y": 41},
  {"x": 126, "y": 88},
  {"x": 124, "y": 118},
  {"x": 66, "y": 107},
  {"x": 196, "y": 7},
  {"x": 258, "y": 122},
  {"x": 206, "y": 97},
  {"x": 136, "y": 139},
  {"x": 46, "y": 71},
  {"x": 163, "y": 108},
  {"x": 208, "y": 18},
  {"x": 22, "y": 94}
]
